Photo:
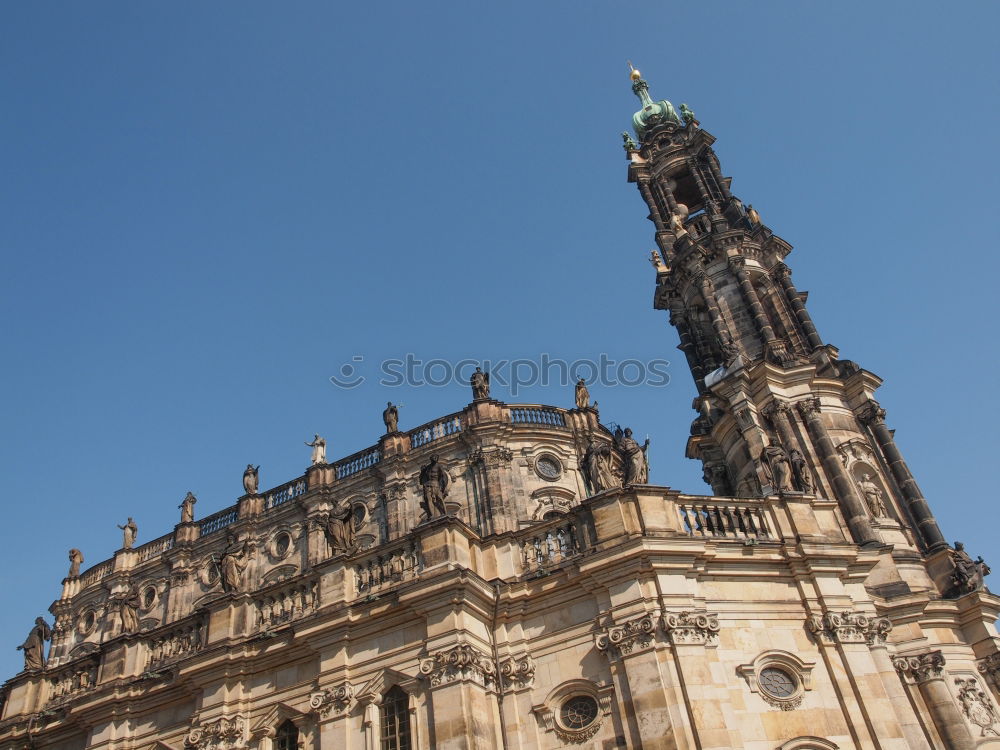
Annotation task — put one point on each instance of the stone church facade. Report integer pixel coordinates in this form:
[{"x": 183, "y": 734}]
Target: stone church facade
[{"x": 533, "y": 590}]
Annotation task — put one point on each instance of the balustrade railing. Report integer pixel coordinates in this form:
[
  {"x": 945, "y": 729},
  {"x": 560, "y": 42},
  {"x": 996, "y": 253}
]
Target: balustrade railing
[
  {"x": 428, "y": 433},
  {"x": 218, "y": 521},
  {"x": 388, "y": 567},
  {"x": 73, "y": 679},
  {"x": 96, "y": 573},
  {"x": 549, "y": 544},
  {"x": 155, "y": 548},
  {"x": 286, "y": 603},
  {"x": 174, "y": 644},
  {"x": 537, "y": 415},
  {"x": 357, "y": 462},
  {"x": 284, "y": 493},
  {"x": 732, "y": 519}
]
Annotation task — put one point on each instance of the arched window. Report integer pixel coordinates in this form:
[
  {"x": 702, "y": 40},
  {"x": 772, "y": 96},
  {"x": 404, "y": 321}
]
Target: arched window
[
  {"x": 287, "y": 736},
  {"x": 395, "y": 720}
]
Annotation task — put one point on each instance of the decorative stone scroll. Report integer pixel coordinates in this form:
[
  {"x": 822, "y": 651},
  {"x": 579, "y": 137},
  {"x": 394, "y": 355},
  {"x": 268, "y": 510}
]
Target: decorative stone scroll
[
  {"x": 920, "y": 667},
  {"x": 616, "y": 640},
  {"x": 219, "y": 734},
  {"x": 462, "y": 662},
  {"x": 495, "y": 457},
  {"x": 691, "y": 628},
  {"x": 989, "y": 667},
  {"x": 337, "y": 700},
  {"x": 849, "y": 627},
  {"x": 977, "y": 706},
  {"x": 517, "y": 672}
]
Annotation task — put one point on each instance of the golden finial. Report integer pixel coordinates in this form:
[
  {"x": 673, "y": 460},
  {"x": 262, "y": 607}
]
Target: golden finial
[{"x": 635, "y": 75}]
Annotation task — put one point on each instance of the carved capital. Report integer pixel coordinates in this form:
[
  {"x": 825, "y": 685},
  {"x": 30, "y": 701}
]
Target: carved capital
[
  {"x": 808, "y": 408},
  {"x": 989, "y": 667},
  {"x": 337, "y": 700},
  {"x": 517, "y": 672},
  {"x": 616, "y": 640},
  {"x": 777, "y": 407},
  {"x": 849, "y": 627},
  {"x": 872, "y": 413},
  {"x": 691, "y": 628},
  {"x": 219, "y": 734},
  {"x": 737, "y": 262},
  {"x": 462, "y": 662},
  {"x": 920, "y": 667},
  {"x": 492, "y": 458},
  {"x": 781, "y": 272}
]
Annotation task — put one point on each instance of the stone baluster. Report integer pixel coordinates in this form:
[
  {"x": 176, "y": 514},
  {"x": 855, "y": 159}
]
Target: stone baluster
[
  {"x": 854, "y": 510},
  {"x": 873, "y": 416}
]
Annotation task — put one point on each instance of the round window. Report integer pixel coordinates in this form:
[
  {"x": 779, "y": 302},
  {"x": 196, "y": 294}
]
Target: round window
[
  {"x": 777, "y": 682},
  {"x": 548, "y": 467},
  {"x": 148, "y": 597},
  {"x": 87, "y": 622},
  {"x": 281, "y": 544},
  {"x": 579, "y": 712}
]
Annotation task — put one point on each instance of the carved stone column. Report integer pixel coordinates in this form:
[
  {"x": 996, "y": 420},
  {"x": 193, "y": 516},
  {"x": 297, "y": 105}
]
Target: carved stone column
[
  {"x": 858, "y": 641},
  {"x": 492, "y": 461},
  {"x": 715, "y": 315},
  {"x": 652, "y": 710},
  {"x": 662, "y": 235},
  {"x": 713, "y": 165},
  {"x": 927, "y": 672},
  {"x": 873, "y": 415},
  {"x": 680, "y": 320},
  {"x": 784, "y": 276},
  {"x": 854, "y": 510},
  {"x": 711, "y": 207},
  {"x": 693, "y": 637},
  {"x": 462, "y": 679},
  {"x": 763, "y": 325}
]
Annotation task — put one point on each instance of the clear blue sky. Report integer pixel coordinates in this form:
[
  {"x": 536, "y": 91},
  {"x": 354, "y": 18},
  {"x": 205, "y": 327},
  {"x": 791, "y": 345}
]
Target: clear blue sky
[{"x": 207, "y": 208}]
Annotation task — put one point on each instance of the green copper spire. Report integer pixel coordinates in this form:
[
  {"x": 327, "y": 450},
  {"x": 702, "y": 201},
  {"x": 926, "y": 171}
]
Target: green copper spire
[{"x": 652, "y": 113}]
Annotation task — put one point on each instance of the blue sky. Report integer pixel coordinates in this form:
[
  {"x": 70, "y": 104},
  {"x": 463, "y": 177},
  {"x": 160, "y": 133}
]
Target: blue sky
[{"x": 208, "y": 208}]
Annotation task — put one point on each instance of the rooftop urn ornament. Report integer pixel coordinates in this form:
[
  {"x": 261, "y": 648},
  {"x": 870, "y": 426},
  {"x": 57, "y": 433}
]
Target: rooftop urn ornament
[
  {"x": 390, "y": 417},
  {"x": 75, "y": 561},
  {"x": 434, "y": 482},
  {"x": 582, "y": 394},
  {"x": 480, "y": 382},
  {"x": 318, "y": 446},
  {"x": 34, "y": 645},
  {"x": 129, "y": 532},
  {"x": 187, "y": 507},
  {"x": 251, "y": 479},
  {"x": 652, "y": 113}
]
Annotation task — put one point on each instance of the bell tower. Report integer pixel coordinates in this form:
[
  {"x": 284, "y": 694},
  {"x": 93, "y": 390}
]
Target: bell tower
[{"x": 778, "y": 411}]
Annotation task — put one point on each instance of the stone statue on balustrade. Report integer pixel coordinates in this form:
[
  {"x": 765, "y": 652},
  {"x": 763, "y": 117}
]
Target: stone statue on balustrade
[
  {"x": 968, "y": 574},
  {"x": 582, "y": 394},
  {"x": 233, "y": 563},
  {"x": 339, "y": 528},
  {"x": 318, "y": 446},
  {"x": 251, "y": 479},
  {"x": 129, "y": 533},
  {"x": 597, "y": 468},
  {"x": 391, "y": 418},
  {"x": 874, "y": 497},
  {"x": 187, "y": 508},
  {"x": 126, "y": 606},
  {"x": 75, "y": 561},
  {"x": 634, "y": 455},
  {"x": 800, "y": 471},
  {"x": 480, "y": 382},
  {"x": 777, "y": 467},
  {"x": 34, "y": 645},
  {"x": 434, "y": 481}
]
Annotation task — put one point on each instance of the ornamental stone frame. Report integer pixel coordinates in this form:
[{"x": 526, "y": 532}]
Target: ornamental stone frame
[
  {"x": 547, "y": 712},
  {"x": 800, "y": 670}
]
